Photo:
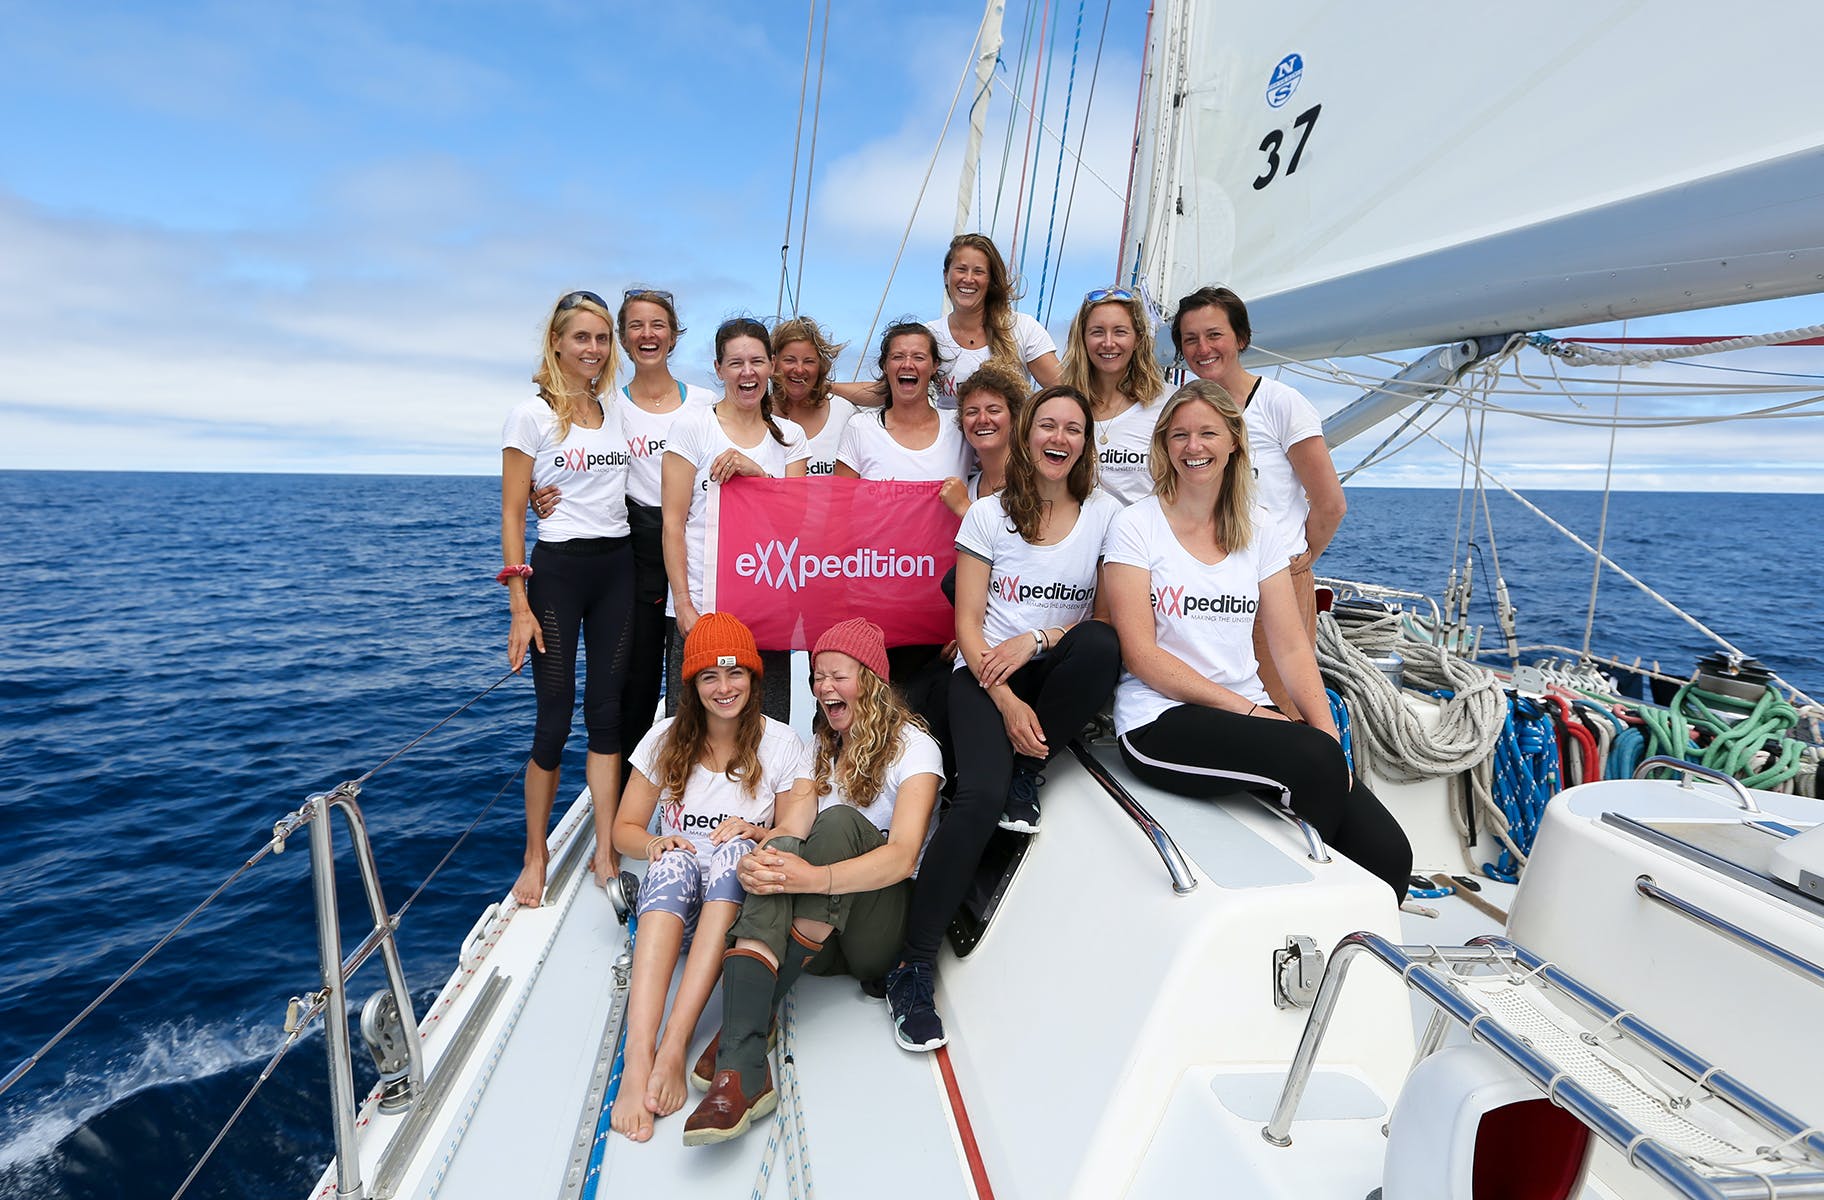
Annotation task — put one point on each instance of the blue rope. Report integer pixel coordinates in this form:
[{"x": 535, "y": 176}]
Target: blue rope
[
  {"x": 1057, "y": 180},
  {"x": 1339, "y": 716},
  {"x": 603, "y": 1130},
  {"x": 1044, "y": 102},
  {"x": 1525, "y": 778}
]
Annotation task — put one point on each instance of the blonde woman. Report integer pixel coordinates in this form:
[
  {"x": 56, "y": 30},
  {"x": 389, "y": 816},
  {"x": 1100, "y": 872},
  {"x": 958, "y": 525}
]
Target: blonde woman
[
  {"x": 1109, "y": 358},
  {"x": 835, "y": 901},
  {"x": 803, "y": 355},
  {"x": 579, "y": 579},
  {"x": 1191, "y": 571}
]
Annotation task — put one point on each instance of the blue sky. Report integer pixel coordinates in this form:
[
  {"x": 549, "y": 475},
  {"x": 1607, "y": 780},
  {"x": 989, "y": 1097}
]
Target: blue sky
[{"x": 321, "y": 237}]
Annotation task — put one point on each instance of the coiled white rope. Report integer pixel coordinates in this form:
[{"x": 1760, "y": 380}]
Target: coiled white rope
[{"x": 1582, "y": 355}]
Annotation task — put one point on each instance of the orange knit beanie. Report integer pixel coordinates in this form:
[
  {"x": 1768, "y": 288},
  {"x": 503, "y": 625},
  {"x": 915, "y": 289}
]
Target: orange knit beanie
[{"x": 719, "y": 639}]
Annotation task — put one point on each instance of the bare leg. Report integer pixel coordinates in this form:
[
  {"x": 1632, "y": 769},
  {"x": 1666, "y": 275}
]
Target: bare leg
[
  {"x": 756, "y": 946},
  {"x": 665, "y": 1092},
  {"x": 541, "y": 793},
  {"x": 815, "y": 932},
  {"x": 655, "y": 955},
  {"x": 603, "y": 772}
]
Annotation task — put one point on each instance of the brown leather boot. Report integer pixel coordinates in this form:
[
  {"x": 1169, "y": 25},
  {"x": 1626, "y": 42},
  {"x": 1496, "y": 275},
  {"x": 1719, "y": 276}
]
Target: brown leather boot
[
  {"x": 704, "y": 1072},
  {"x": 725, "y": 1113}
]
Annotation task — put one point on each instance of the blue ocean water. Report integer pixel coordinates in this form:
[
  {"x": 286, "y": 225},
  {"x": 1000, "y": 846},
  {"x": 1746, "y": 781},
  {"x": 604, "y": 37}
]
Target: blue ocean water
[{"x": 186, "y": 657}]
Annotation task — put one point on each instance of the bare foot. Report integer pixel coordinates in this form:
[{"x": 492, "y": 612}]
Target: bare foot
[
  {"x": 665, "y": 1092},
  {"x": 630, "y": 1116},
  {"x": 529, "y": 888}
]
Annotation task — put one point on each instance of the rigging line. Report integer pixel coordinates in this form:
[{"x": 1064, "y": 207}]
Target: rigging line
[
  {"x": 466, "y": 704},
  {"x": 1044, "y": 97},
  {"x": 810, "y": 170},
  {"x": 968, "y": 70},
  {"x": 1087, "y": 169},
  {"x": 1019, "y": 73},
  {"x": 1618, "y": 569},
  {"x": 13, "y": 1076},
  {"x": 1057, "y": 178},
  {"x": 1019, "y": 195},
  {"x": 1602, "y": 526},
  {"x": 791, "y": 196},
  {"x": 457, "y": 844},
  {"x": 1583, "y": 356},
  {"x": 1374, "y": 457},
  {"x": 1456, "y": 534},
  {"x": 1089, "y": 106},
  {"x": 1133, "y": 154},
  {"x": 272, "y": 1064}
]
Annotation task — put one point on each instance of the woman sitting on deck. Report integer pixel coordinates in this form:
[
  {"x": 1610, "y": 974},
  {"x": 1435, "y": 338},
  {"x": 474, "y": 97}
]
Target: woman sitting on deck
[
  {"x": 1190, "y": 571},
  {"x": 722, "y": 777},
  {"x": 835, "y": 902}
]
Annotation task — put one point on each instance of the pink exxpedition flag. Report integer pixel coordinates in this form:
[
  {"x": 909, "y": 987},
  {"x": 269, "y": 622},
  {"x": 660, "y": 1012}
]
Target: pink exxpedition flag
[{"x": 791, "y": 557}]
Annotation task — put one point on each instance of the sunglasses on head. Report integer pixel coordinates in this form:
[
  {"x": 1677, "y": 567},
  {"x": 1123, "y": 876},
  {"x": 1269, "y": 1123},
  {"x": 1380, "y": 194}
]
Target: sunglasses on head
[
  {"x": 640, "y": 293},
  {"x": 575, "y": 298},
  {"x": 1108, "y": 293}
]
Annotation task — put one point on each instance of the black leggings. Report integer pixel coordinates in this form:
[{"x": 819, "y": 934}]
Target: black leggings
[
  {"x": 649, "y": 632},
  {"x": 1065, "y": 689},
  {"x": 1206, "y": 752},
  {"x": 582, "y": 586}
]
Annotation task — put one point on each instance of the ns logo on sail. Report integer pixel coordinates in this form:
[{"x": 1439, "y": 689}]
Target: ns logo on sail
[{"x": 1284, "y": 81}]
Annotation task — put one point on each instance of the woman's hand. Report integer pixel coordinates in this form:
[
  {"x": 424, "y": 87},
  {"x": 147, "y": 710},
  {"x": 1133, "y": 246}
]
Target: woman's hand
[
  {"x": 731, "y": 463},
  {"x": 734, "y": 828},
  {"x": 1023, "y": 728},
  {"x": 605, "y": 863},
  {"x": 544, "y": 500},
  {"x": 1000, "y": 662},
  {"x": 687, "y": 617},
  {"x": 771, "y": 872},
  {"x": 1265, "y": 713},
  {"x": 670, "y": 841},
  {"x": 955, "y": 493},
  {"x": 524, "y": 632}
]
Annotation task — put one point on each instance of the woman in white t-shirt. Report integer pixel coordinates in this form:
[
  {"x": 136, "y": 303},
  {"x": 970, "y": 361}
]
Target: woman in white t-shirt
[
  {"x": 803, "y": 355},
  {"x": 983, "y": 325},
  {"x": 1191, "y": 572},
  {"x": 579, "y": 580},
  {"x": 722, "y": 778},
  {"x": 834, "y": 902},
  {"x": 1036, "y": 664},
  {"x": 1295, "y": 482},
  {"x": 1109, "y": 358},
  {"x": 737, "y": 435},
  {"x": 988, "y": 406}
]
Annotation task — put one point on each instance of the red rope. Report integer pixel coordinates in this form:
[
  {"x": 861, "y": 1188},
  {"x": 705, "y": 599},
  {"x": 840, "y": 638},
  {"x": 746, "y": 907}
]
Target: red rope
[{"x": 1032, "y": 118}]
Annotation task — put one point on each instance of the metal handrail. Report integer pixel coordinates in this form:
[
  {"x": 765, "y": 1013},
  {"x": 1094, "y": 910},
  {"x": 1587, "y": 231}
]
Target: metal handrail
[
  {"x": 1413, "y": 963},
  {"x": 336, "y": 971},
  {"x": 1176, "y": 865},
  {"x": 1804, "y": 968},
  {"x": 1315, "y": 850},
  {"x": 1743, "y": 796}
]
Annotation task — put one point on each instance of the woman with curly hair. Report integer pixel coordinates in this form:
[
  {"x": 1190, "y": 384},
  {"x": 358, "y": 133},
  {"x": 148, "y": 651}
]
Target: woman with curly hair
[
  {"x": 835, "y": 901},
  {"x": 803, "y": 355},
  {"x": 982, "y": 325}
]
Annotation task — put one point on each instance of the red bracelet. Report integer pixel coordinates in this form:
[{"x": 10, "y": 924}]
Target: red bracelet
[{"x": 518, "y": 571}]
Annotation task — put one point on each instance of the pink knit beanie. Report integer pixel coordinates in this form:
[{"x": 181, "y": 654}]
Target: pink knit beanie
[{"x": 860, "y": 639}]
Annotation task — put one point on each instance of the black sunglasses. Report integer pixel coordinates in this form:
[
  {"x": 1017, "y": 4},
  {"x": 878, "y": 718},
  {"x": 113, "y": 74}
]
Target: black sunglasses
[{"x": 575, "y": 298}]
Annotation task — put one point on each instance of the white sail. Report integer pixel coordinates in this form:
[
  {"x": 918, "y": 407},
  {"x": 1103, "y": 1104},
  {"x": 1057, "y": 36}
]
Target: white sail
[
  {"x": 987, "y": 53},
  {"x": 1487, "y": 170}
]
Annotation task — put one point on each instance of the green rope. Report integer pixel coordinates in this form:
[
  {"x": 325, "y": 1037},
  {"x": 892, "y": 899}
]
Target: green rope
[{"x": 1730, "y": 747}]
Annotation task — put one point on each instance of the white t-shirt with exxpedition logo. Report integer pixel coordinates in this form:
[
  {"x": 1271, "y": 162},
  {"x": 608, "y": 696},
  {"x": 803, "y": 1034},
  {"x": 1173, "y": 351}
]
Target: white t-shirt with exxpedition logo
[
  {"x": 589, "y": 464},
  {"x": 1034, "y": 587},
  {"x": 919, "y": 754},
  {"x": 1277, "y": 419},
  {"x": 824, "y": 446},
  {"x": 698, "y": 438},
  {"x": 870, "y": 451},
  {"x": 711, "y": 797},
  {"x": 956, "y": 363},
  {"x": 1123, "y": 452},
  {"x": 1203, "y": 614},
  {"x": 646, "y": 435}
]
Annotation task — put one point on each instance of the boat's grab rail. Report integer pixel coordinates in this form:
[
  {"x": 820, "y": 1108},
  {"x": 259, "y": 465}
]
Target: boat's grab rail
[
  {"x": 1804, "y": 968},
  {"x": 1743, "y": 796},
  {"x": 1428, "y": 970},
  {"x": 1177, "y": 866},
  {"x": 1315, "y": 850}
]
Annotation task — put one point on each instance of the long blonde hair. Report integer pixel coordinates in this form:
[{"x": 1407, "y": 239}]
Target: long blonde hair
[
  {"x": 689, "y": 736},
  {"x": 1235, "y": 500},
  {"x": 549, "y": 377},
  {"x": 1142, "y": 382},
  {"x": 855, "y": 766},
  {"x": 997, "y": 305}
]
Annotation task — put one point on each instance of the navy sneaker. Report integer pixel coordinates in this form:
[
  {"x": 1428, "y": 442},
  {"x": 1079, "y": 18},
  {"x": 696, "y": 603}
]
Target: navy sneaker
[
  {"x": 1022, "y": 812},
  {"x": 911, "y": 990}
]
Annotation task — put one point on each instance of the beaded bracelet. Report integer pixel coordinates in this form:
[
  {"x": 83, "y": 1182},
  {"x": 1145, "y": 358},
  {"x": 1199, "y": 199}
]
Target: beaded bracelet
[{"x": 517, "y": 571}]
